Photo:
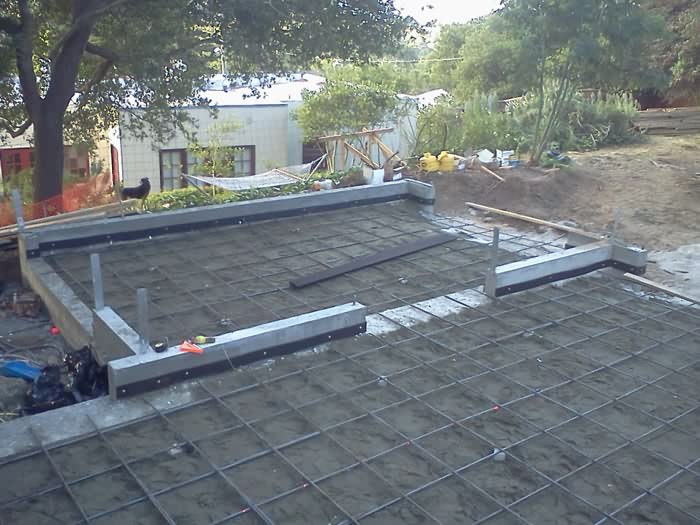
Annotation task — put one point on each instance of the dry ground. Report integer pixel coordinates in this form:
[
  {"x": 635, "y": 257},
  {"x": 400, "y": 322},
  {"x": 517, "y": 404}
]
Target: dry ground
[{"x": 655, "y": 186}]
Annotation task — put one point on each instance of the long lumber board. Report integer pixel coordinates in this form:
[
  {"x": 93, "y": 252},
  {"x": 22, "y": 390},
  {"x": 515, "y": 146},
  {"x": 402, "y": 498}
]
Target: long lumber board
[
  {"x": 628, "y": 276},
  {"x": 83, "y": 214},
  {"x": 660, "y": 287},
  {"x": 370, "y": 260},
  {"x": 534, "y": 220}
]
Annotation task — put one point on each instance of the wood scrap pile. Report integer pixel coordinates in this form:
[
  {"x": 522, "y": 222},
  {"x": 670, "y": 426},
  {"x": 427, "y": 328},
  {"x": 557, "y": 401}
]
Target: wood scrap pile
[
  {"x": 669, "y": 122},
  {"x": 365, "y": 145}
]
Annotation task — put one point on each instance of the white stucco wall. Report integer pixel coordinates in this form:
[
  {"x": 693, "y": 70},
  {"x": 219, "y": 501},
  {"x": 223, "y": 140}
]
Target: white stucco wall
[
  {"x": 23, "y": 141},
  {"x": 264, "y": 126}
]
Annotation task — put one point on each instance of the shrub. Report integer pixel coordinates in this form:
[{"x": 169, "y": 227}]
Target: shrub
[
  {"x": 587, "y": 122},
  {"x": 191, "y": 197},
  {"x": 474, "y": 125}
]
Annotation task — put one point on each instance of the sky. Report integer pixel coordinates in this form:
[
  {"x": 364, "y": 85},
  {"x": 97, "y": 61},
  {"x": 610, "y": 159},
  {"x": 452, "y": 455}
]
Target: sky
[{"x": 446, "y": 11}]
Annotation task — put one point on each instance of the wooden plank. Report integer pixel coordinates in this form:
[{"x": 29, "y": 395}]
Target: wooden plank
[
  {"x": 660, "y": 287},
  {"x": 332, "y": 138},
  {"x": 486, "y": 170},
  {"x": 533, "y": 220},
  {"x": 384, "y": 148},
  {"x": 370, "y": 260},
  {"x": 364, "y": 158},
  {"x": 78, "y": 215}
]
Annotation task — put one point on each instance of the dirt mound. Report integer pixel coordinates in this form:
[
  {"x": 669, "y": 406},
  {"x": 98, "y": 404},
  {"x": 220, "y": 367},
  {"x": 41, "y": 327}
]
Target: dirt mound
[{"x": 524, "y": 191}]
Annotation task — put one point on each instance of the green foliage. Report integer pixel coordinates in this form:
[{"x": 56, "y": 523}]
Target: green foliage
[
  {"x": 587, "y": 121},
  {"x": 84, "y": 60},
  {"x": 473, "y": 125},
  {"x": 679, "y": 54},
  {"x": 21, "y": 181},
  {"x": 489, "y": 59},
  {"x": 439, "y": 128},
  {"x": 410, "y": 78},
  {"x": 342, "y": 106},
  {"x": 216, "y": 158},
  {"x": 579, "y": 43},
  {"x": 191, "y": 197}
]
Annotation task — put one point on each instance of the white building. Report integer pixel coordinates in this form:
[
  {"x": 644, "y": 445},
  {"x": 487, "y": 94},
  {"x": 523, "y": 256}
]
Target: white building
[{"x": 267, "y": 135}]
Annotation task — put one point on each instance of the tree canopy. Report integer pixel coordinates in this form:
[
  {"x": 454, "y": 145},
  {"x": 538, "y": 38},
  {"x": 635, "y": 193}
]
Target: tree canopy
[
  {"x": 503, "y": 52},
  {"x": 77, "y": 62},
  {"x": 679, "y": 54}
]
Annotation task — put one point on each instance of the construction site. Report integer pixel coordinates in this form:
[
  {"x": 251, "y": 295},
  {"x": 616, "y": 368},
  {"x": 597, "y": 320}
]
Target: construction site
[
  {"x": 358, "y": 356},
  {"x": 378, "y": 262}
]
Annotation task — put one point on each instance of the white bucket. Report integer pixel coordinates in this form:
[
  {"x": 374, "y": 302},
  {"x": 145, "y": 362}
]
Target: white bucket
[{"x": 377, "y": 177}]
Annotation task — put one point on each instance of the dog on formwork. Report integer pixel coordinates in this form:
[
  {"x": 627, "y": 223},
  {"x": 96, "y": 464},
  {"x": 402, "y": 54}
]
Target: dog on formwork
[{"x": 137, "y": 192}]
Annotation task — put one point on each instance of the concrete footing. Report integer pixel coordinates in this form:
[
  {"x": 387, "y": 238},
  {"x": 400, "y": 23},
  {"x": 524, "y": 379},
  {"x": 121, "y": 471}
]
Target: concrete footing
[
  {"x": 142, "y": 226},
  {"x": 148, "y": 371},
  {"x": 112, "y": 336},
  {"x": 66, "y": 310},
  {"x": 523, "y": 275}
]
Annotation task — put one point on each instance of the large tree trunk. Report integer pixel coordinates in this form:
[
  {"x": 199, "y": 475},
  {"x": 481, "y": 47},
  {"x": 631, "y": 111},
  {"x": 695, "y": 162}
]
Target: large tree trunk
[{"x": 47, "y": 179}]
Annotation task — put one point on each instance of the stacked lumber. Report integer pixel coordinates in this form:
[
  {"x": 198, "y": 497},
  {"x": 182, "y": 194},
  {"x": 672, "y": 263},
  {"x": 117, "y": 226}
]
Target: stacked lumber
[{"x": 669, "y": 122}]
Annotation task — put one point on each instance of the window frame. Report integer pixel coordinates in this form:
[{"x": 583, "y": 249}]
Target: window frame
[
  {"x": 183, "y": 166},
  {"x": 185, "y": 158}
]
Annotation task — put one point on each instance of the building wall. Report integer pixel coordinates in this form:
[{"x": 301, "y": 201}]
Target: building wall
[
  {"x": 99, "y": 157},
  {"x": 295, "y": 140},
  {"x": 264, "y": 126}
]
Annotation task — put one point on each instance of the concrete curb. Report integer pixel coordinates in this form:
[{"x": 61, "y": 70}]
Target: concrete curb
[
  {"x": 529, "y": 273},
  {"x": 66, "y": 310},
  {"x": 142, "y": 226},
  {"x": 144, "y": 372},
  {"x": 112, "y": 336}
]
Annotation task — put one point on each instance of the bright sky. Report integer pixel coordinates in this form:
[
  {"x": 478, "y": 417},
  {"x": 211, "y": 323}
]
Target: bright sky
[{"x": 446, "y": 11}]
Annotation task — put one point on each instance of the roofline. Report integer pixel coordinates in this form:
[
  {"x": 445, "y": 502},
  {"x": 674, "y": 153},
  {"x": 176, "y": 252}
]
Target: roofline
[{"x": 268, "y": 104}]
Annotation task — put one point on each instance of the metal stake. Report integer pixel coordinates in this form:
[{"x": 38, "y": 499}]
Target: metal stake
[
  {"x": 494, "y": 248},
  {"x": 97, "y": 288},
  {"x": 19, "y": 211},
  {"x": 615, "y": 226},
  {"x": 142, "y": 314}
]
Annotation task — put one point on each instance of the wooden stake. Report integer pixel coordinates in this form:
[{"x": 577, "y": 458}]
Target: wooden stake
[
  {"x": 364, "y": 158},
  {"x": 486, "y": 170},
  {"x": 534, "y": 220}
]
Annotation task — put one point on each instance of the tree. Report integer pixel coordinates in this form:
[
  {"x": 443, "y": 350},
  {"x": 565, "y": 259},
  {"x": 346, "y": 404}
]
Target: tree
[
  {"x": 217, "y": 158},
  {"x": 579, "y": 43},
  {"x": 679, "y": 54},
  {"x": 77, "y": 62},
  {"x": 343, "y": 106},
  {"x": 481, "y": 56}
]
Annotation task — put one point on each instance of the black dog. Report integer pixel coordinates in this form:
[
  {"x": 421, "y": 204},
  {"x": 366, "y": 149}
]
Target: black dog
[{"x": 138, "y": 192}]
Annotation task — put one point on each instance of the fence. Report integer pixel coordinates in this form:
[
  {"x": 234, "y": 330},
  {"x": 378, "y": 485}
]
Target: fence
[{"x": 87, "y": 193}]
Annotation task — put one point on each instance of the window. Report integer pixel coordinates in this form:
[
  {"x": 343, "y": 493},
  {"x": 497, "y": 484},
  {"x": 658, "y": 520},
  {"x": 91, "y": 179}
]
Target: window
[
  {"x": 76, "y": 162},
  {"x": 243, "y": 161},
  {"x": 16, "y": 160},
  {"x": 173, "y": 164},
  {"x": 14, "y": 163}
]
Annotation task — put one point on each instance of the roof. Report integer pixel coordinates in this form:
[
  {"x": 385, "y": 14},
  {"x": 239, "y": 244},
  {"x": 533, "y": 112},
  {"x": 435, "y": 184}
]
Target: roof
[{"x": 282, "y": 90}]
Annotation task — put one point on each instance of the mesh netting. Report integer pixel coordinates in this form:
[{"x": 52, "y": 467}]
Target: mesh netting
[
  {"x": 274, "y": 177},
  {"x": 84, "y": 194}
]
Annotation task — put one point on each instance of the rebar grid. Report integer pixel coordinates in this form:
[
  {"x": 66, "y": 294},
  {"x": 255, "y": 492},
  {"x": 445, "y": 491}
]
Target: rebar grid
[
  {"x": 565, "y": 298},
  {"x": 432, "y": 282}
]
